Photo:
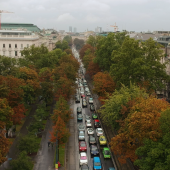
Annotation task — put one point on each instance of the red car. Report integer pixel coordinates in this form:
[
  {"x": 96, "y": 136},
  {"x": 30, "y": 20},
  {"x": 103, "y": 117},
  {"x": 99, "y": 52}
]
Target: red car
[
  {"x": 83, "y": 96},
  {"x": 82, "y": 146},
  {"x": 97, "y": 123}
]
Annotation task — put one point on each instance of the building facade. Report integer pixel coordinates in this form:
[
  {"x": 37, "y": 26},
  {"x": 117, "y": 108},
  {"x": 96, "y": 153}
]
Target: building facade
[{"x": 12, "y": 42}]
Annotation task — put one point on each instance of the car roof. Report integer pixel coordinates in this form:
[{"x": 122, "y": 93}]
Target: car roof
[
  {"x": 99, "y": 128},
  {"x": 83, "y": 154},
  {"x": 106, "y": 149},
  {"x": 96, "y": 120},
  {"x": 96, "y": 159}
]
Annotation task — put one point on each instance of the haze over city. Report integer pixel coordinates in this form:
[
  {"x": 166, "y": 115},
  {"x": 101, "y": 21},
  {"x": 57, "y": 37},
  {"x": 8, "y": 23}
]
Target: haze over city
[{"x": 132, "y": 15}]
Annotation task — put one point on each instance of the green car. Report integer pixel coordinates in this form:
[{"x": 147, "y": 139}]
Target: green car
[
  {"x": 106, "y": 153},
  {"x": 94, "y": 116}
]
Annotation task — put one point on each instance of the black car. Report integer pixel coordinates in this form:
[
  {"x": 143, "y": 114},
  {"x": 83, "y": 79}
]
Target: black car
[
  {"x": 92, "y": 140},
  {"x": 84, "y": 167},
  {"x": 93, "y": 150},
  {"x": 92, "y": 108},
  {"x": 79, "y": 110},
  {"x": 77, "y": 99}
]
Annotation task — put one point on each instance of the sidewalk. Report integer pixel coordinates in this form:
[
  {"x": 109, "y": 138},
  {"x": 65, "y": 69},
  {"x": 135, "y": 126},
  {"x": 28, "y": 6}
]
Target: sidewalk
[
  {"x": 45, "y": 156},
  {"x": 13, "y": 151}
]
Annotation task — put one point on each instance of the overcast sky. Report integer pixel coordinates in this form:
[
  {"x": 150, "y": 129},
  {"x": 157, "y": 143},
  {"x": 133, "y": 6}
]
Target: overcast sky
[{"x": 132, "y": 15}]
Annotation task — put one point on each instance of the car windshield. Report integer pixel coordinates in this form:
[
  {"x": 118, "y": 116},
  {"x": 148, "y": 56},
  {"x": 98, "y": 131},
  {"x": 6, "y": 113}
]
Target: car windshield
[
  {"x": 81, "y": 133},
  {"x": 80, "y": 115},
  {"x": 107, "y": 152},
  {"x": 102, "y": 139},
  {"x": 92, "y": 139},
  {"x": 81, "y": 127},
  {"x": 100, "y": 131},
  {"x": 82, "y": 144},
  {"x": 97, "y": 164},
  {"x": 94, "y": 148},
  {"x": 90, "y": 130}
]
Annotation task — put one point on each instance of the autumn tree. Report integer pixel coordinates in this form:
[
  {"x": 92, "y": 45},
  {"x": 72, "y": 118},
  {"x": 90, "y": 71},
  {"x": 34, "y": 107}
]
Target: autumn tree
[
  {"x": 14, "y": 96},
  {"x": 103, "y": 83},
  {"x": 155, "y": 154},
  {"x": 62, "y": 110},
  {"x": 64, "y": 88},
  {"x": 92, "y": 69},
  {"x": 4, "y": 142},
  {"x": 84, "y": 49},
  {"x": 111, "y": 111},
  {"x": 32, "y": 85},
  {"x": 142, "y": 122},
  {"x": 47, "y": 87},
  {"x": 60, "y": 132}
]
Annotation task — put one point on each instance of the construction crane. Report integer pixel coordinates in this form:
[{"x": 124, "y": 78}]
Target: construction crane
[
  {"x": 2, "y": 11},
  {"x": 115, "y": 27}
]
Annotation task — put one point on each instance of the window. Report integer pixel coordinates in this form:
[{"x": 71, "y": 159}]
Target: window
[
  {"x": 4, "y": 53},
  {"x": 16, "y": 53},
  {"x": 9, "y": 45},
  {"x": 28, "y": 45},
  {"x": 21, "y": 45},
  {"x": 9, "y": 53},
  {"x": 3, "y": 45},
  {"x": 15, "y": 45}
]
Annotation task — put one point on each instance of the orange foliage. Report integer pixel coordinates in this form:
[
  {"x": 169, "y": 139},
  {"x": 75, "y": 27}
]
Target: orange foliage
[
  {"x": 142, "y": 122},
  {"x": 19, "y": 112},
  {"x": 103, "y": 85},
  {"x": 63, "y": 88},
  {"x": 92, "y": 69},
  {"x": 4, "y": 143},
  {"x": 84, "y": 49},
  {"x": 60, "y": 132}
]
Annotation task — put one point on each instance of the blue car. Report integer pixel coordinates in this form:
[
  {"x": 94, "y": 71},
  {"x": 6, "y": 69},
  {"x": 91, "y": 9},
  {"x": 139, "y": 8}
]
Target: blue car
[
  {"x": 79, "y": 117},
  {"x": 97, "y": 163}
]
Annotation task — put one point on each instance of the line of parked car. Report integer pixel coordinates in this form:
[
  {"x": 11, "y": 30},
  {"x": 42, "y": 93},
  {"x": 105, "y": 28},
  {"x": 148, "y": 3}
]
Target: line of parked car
[{"x": 83, "y": 93}]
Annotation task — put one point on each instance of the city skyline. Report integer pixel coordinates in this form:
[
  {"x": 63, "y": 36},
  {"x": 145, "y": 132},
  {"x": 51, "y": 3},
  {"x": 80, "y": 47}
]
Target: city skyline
[{"x": 132, "y": 15}]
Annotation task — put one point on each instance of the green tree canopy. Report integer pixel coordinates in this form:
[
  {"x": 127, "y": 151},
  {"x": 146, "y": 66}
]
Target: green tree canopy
[
  {"x": 105, "y": 47},
  {"x": 138, "y": 62},
  {"x": 78, "y": 43},
  {"x": 111, "y": 110},
  {"x": 23, "y": 162}
]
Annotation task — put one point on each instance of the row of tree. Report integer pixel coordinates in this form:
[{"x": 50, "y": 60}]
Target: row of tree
[
  {"x": 126, "y": 73},
  {"x": 38, "y": 74}
]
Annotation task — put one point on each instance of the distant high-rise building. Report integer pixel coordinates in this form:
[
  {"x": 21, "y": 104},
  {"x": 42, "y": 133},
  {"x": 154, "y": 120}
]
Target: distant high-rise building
[
  {"x": 98, "y": 29},
  {"x": 75, "y": 29},
  {"x": 70, "y": 28}
]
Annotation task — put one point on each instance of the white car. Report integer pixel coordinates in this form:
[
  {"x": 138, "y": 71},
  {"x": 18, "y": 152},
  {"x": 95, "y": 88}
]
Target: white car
[
  {"x": 83, "y": 158},
  {"x": 90, "y": 131},
  {"x": 90, "y": 100},
  {"x": 88, "y": 118},
  {"x": 88, "y": 124},
  {"x": 99, "y": 132}
]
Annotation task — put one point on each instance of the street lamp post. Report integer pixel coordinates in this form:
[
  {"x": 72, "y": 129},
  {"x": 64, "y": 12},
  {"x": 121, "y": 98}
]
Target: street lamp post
[{"x": 56, "y": 164}]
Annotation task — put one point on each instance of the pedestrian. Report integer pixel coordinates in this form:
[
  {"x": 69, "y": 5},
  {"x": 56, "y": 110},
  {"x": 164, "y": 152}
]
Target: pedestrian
[{"x": 49, "y": 144}]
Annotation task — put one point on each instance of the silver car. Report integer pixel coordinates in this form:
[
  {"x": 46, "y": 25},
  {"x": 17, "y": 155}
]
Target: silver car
[
  {"x": 83, "y": 158},
  {"x": 81, "y": 127},
  {"x": 90, "y": 131},
  {"x": 99, "y": 132},
  {"x": 81, "y": 135}
]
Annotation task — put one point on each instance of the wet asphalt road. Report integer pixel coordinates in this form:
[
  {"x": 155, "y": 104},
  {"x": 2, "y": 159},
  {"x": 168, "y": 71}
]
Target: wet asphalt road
[{"x": 106, "y": 163}]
